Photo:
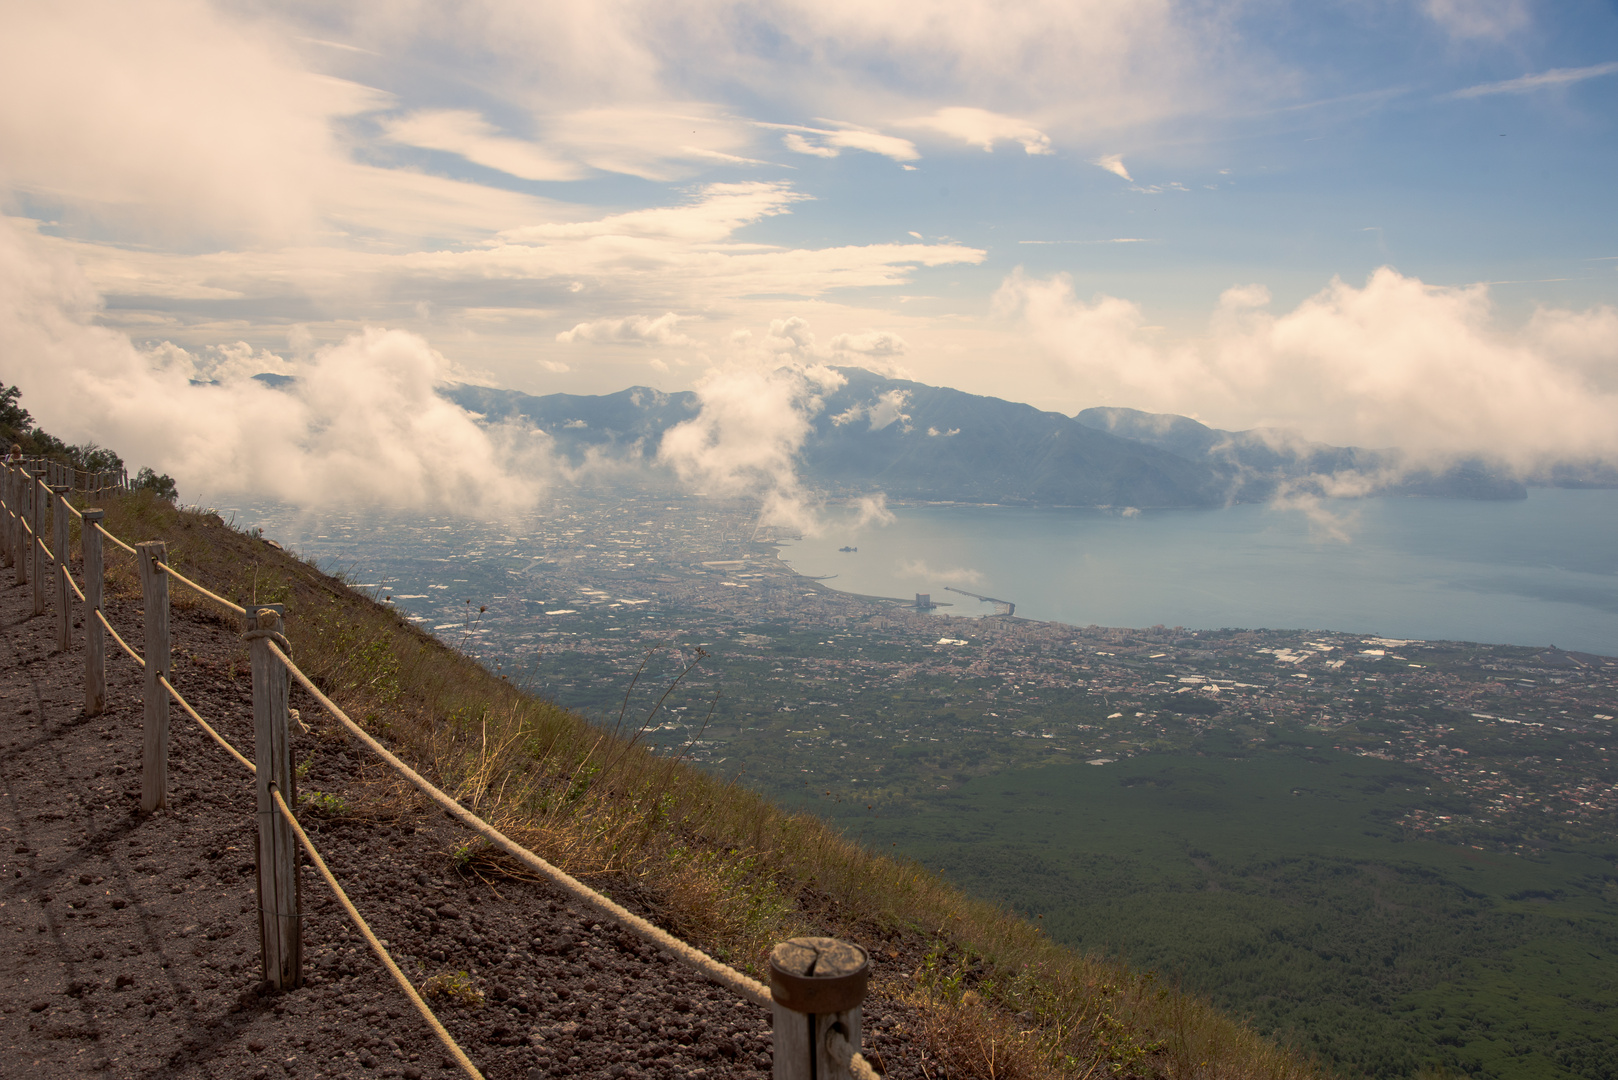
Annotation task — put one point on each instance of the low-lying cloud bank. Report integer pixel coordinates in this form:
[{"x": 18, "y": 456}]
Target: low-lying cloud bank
[
  {"x": 363, "y": 421},
  {"x": 1396, "y": 362}
]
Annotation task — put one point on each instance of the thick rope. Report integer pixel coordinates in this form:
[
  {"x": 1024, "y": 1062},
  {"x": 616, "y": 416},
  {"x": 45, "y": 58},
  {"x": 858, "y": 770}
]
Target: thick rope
[
  {"x": 133, "y": 655},
  {"x": 726, "y": 976},
  {"x": 844, "y": 1054},
  {"x": 214, "y": 735},
  {"x": 275, "y": 637},
  {"x": 376, "y": 946},
  {"x": 114, "y": 539},
  {"x": 215, "y": 597},
  {"x": 76, "y": 590},
  {"x": 43, "y": 548}
]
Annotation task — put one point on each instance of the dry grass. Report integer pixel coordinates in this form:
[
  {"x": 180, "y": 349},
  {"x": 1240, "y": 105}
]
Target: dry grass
[{"x": 732, "y": 873}]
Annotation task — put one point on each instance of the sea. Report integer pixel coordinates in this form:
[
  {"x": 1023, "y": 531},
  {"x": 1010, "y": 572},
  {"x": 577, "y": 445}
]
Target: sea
[{"x": 1538, "y": 571}]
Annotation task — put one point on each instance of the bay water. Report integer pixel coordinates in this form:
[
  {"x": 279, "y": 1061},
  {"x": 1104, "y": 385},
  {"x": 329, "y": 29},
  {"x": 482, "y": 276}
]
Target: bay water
[{"x": 1538, "y": 571}]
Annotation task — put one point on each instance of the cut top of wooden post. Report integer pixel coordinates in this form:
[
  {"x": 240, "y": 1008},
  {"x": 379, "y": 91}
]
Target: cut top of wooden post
[{"x": 819, "y": 975}]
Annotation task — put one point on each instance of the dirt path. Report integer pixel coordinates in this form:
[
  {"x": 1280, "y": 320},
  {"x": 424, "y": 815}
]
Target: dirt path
[{"x": 129, "y": 943}]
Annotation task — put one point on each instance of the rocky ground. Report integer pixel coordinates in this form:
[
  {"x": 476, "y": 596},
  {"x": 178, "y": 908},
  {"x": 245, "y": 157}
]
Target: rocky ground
[{"x": 129, "y": 943}]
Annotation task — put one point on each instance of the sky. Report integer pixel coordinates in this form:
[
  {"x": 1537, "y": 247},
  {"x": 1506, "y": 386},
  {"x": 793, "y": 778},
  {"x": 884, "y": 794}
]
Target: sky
[{"x": 1376, "y": 222}]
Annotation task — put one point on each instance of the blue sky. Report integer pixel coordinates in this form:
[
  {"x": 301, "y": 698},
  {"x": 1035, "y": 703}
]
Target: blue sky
[{"x": 1373, "y": 221}]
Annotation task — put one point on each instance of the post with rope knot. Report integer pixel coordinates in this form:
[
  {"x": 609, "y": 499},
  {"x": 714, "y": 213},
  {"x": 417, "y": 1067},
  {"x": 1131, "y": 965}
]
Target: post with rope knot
[
  {"x": 818, "y": 985},
  {"x": 154, "y": 589},
  {"x": 280, "y": 920}
]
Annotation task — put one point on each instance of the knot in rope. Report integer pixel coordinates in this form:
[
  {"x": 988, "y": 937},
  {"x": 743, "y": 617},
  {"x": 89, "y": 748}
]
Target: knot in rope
[{"x": 270, "y": 635}]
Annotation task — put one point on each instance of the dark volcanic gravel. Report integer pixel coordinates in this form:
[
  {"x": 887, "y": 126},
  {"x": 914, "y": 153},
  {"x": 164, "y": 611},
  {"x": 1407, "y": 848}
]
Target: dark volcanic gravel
[{"x": 129, "y": 944}]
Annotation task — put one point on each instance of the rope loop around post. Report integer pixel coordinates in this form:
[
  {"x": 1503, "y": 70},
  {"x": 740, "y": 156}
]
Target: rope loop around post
[{"x": 269, "y": 635}]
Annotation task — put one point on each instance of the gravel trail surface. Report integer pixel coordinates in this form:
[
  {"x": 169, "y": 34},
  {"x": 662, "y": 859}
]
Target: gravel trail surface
[{"x": 129, "y": 943}]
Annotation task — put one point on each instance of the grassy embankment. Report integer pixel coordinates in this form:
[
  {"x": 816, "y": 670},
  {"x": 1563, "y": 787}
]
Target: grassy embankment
[{"x": 730, "y": 871}]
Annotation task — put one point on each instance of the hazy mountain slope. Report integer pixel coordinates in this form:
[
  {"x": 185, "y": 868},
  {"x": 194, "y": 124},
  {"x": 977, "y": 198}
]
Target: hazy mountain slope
[
  {"x": 1255, "y": 462},
  {"x": 907, "y": 439},
  {"x": 926, "y": 442}
]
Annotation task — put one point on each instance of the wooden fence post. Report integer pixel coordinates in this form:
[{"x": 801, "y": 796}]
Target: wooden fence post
[
  {"x": 59, "y": 542},
  {"x": 95, "y": 642},
  {"x": 280, "y": 927},
  {"x": 11, "y": 508},
  {"x": 818, "y": 985},
  {"x": 36, "y": 521},
  {"x": 19, "y": 506},
  {"x": 154, "y": 588}
]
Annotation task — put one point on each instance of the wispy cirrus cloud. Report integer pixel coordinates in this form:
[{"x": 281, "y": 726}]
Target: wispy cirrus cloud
[
  {"x": 831, "y": 142},
  {"x": 464, "y": 132},
  {"x": 1114, "y": 163},
  {"x": 983, "y": 129},
  {"x": 1527, "y": 84}
]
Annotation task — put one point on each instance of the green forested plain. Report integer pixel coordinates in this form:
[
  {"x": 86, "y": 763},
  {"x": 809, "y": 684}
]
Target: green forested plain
[{"x": 1277, "y": 885}]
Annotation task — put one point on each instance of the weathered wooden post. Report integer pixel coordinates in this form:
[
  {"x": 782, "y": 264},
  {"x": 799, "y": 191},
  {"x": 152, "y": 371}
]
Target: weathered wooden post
[
  {"x": 19, "y": 555},
  {"x": 154, "y": 588},
  {"x": 36, "y": 521},
  {"x": 818, "y": 985},
  {"x": 95, "y": 642},
  {"x": 59, "y": 542},
  {"x": 5, "y": 519},
  {"x": 280, "y": 928}
]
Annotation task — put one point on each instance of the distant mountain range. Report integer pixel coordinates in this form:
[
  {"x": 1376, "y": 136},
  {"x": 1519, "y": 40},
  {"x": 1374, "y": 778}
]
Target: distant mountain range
[{"x": 920, "y": 442}]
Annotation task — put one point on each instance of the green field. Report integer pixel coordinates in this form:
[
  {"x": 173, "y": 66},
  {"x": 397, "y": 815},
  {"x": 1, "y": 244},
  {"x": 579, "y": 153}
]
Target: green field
[{"x": 1276, "y": 885}]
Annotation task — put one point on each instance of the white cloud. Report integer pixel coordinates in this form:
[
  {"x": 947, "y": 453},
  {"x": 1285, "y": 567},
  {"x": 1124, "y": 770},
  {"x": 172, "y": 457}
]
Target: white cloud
[
  {"x": 716, "y": 211},
  {"x": 1529, "y": 83},
  {"x": 746, "y": 438},
  {"x": 982, "y": 128},
  {"x": 1114, "y": 163},
  {"x": 1494, "y": 19},
  {"x": 363, "y": 422},
  {"x": 464, "y": 132},
  {"x": 872, "y": 343},
  {"x": 1393, "y": 363},
  {"x": 799, "y": 145},
  {"x": 662, "y": 141},
  {"x": 833, "y": 141},
  {"x": 170, "y": 110},
  {"x": 955, "y": 575},
  {"x": 634, "y": 329},
  {"x": 887, "y": 409}
]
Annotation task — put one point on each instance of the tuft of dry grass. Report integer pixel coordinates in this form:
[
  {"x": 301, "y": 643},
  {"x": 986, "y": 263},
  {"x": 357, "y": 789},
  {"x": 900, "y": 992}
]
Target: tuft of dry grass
[{"x": 731, "y": 872}]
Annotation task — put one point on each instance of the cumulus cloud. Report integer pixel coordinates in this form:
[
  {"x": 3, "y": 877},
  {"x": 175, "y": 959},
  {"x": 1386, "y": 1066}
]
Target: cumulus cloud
[
  {"x": 1395, "y": 362},
  {"x": 633, "y": 329},
  {"x": 982, "y": 128},
  {"x": 887, "y": 409},
  {"x": 873, "y": 510},
  {"x": 745, "y": 439},
  {"x": 362, "y": 422}
]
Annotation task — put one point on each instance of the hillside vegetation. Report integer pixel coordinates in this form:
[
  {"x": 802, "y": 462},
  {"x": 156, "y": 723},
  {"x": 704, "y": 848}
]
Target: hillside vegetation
[{"x": 728, "y": 870}]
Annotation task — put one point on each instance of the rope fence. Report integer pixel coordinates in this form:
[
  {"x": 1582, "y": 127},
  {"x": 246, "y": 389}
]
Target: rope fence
[{"x": 816, "y": 986}]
